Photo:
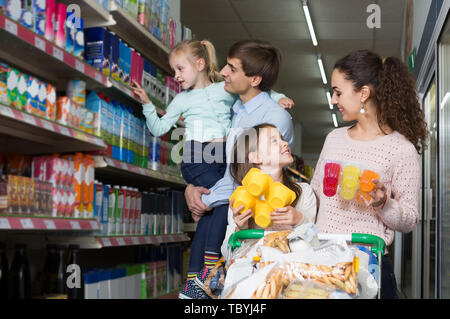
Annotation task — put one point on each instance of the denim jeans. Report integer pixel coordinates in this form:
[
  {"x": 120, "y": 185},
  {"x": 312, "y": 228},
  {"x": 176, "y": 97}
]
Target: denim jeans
[
  {"x": 203, "y": 165},
  {"x": 388, "y": 282}
]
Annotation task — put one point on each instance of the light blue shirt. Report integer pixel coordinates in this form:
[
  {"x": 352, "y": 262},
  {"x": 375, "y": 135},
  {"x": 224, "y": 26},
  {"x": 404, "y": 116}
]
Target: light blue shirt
[
  {"x": 207, "y": 113},
  {"x": 261, "y": 109}
]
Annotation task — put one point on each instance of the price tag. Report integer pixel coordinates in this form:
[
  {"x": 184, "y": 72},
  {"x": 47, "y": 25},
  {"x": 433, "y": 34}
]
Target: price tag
[
  {"x": 39, "y": 43},
  {"x": 94, "y": 225},
  {"x": 29, "y": 119},
  {"x": 79, "y": 66},
  {"x": 27, "y": 223},
  {"x": 4, "y": 223},
  {"x": 47, "y": 125},
  {"x": 121, "y": 241},
  {"x": 11, "y": 27},
  {"x": 57, "y": 53},
  {"x": 106, "y": 242},
  {"x": 159, "y": 239},
  {"x": 75, "y": 224},
  {"x": 64, "y": 130},
  {"x": 124, "y": 165},
  {"x": 148, "y": 240},
  {"x": 49, "y": 224},
  {"x": 6, "y": 111},
  {"x": 98, "y": 77},
  {"x": 135, "y": 240}
]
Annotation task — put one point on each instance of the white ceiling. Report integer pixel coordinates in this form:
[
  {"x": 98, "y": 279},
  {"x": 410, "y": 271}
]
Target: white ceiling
[{"x": 340, "y": 27}]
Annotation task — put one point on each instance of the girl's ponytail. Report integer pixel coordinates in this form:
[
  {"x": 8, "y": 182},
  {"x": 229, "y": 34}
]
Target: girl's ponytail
[
  {"x": 398, "y": 105},
  {"x": 211, "y": 61}
]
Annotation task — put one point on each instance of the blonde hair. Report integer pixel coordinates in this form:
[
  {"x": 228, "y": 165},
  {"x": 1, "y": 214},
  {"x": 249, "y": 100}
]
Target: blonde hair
[{"x": 201, "y": 50}]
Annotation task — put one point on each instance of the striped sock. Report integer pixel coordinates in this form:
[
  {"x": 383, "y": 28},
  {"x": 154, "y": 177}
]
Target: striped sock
[
  {"x": 211, "y": 259},
  {"x": 191, "y": 275}
]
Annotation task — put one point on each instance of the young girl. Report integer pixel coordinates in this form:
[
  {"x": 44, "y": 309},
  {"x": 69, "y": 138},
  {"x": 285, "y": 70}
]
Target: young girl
[
  {"x": 265, "y": 149},
  {"x": 206, "y": 108},
  {"x": 388, "y": 136}
]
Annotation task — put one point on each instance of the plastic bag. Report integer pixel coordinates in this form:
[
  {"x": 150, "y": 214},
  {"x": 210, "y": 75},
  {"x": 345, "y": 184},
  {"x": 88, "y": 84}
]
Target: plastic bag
[{"x": 308, "y": 289}]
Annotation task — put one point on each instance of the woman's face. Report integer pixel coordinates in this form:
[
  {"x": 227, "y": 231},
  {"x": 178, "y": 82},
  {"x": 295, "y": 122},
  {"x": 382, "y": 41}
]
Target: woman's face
[
  {"x": 344, "y": 96},
  {"x": 273, "y": 151}
]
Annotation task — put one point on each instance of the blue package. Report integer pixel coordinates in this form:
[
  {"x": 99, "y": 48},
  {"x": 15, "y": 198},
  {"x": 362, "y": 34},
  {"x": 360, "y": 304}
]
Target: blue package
[
  {"x": 26, "y": 17},
  {"x": 98, "y": 49},
  {"x": 39, "y": 17},
  {"x": 115, "y": 45},
  {"x": 373, "y": 267},
  {"x": 79, "y": 41},
  {"x": 70, "y": 32}
]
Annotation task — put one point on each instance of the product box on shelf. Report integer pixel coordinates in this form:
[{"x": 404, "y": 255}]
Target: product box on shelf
[
  {"x": 113, "y": 192},
  {"x": 39, "y": 17},
  {"x": 105, "y": 209},
  {"x": 98, "y": 49},
  {"x": 63, "y": 110},
  {"x": 115, "y": 68},
  {"x": 26, "y": 17},
  {"x": 124, "y": 63},
  {"x": 70, "y": 31},
  {"x": 32, "y": 104},
  {"x": 76, "y": 91},
  {"x": 22, "y": 91},
  {"x": 3, "y": 83},
  {"x": 118, "y": 211},
  {"x": 50, "y": 14},
  {"x": 42, "y": 98},
  {"x": 132, "y": 8},
  {"x": 12, "y": 84},
  {"x": 51, "y": 102},
  {"x": 79, "y": 41},
  {"x": 60, "y": 25},
  {"x": 14, "y": 9}
]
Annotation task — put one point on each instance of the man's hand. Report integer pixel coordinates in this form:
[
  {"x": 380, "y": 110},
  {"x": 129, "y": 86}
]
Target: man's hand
[
  {"x": 193, "y": 197},
  {"x": 286, "y": 103}
]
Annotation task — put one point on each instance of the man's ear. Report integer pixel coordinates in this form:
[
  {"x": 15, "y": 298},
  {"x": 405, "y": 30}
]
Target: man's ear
[
  {"x": 254, "y": 158},
  {"x": 256, "y": 81}
]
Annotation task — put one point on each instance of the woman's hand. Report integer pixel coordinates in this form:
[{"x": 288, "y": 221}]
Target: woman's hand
[
  {"x": 378, "y": 195},
  {"x": 286, "y": 216},
  {"x": 139, "y": 91},
  {"x": 286, "y": 103},
  {"x": 240, "y": 219}
]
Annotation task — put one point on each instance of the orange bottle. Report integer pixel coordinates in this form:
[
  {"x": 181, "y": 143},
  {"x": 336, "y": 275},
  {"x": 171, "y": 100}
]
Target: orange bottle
[{"x": 78, "y": 184}]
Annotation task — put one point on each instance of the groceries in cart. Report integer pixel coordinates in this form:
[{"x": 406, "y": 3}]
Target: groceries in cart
[
  {"x": 348, "y": 180},
  {"x": 262, "y": 195},
  {"x": 299, "y": 264}
]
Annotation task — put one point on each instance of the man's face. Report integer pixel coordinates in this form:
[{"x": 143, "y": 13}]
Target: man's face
[{"x": 236, "y": 82}]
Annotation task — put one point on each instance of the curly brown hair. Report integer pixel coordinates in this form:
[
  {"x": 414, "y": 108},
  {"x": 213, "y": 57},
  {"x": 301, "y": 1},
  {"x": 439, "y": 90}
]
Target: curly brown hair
[{"x": 393, "y": 89}]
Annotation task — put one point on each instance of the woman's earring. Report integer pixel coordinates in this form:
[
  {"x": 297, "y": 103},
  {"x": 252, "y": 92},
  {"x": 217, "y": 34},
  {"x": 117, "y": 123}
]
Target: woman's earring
[{"x": 362, "y": 111}]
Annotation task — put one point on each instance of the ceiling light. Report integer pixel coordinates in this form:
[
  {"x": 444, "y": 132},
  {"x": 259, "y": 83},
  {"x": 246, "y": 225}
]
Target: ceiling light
[
  {"x": 322, "y": 70},
  {"x": 329, "y": 100},
  {"x": 309, "y": 22},
  {"x": 334, "y": 120}
]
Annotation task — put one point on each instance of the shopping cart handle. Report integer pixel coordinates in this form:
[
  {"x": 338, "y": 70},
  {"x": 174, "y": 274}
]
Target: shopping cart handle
[
  {"x": 235, "y": 238},
  {"x": 378, "y": 243}
]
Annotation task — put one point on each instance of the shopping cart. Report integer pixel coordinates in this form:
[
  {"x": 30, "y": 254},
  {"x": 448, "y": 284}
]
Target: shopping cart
[{"x": 375, "y": 243}]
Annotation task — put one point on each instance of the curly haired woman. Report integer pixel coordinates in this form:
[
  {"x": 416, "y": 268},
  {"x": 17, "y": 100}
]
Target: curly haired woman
[{"x": 388, "y": 136}]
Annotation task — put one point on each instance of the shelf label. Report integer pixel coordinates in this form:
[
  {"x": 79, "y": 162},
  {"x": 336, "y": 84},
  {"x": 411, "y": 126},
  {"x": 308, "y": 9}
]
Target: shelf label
[
  {"x": 11, "y": 27},
  {"x": 4, "y": 223},
  {"x": 29, "y": 119},
  {"x": 39, "y": 43},
  {"x": 75, "y": 224},
  {"x": 106, "y": 242},
  {"x": 6, "y": 111},
  {"x": 159, "y": 239},
  {"x": 57, "y": 53},
  {"x": 26, "y": 223},
  {"x": 94, "y": 225},
  {"x": 98, "y": 77},
  {"x": 135, "y": 240},
  {"x": 124, "y": 165},
  {"x": 47, "y": 125},
  {"x": 49, "y": 224},
  {"x": 121, "y": 242},
  {"x": 79, "y": 65},
  {"x": 64, "y": 130}
]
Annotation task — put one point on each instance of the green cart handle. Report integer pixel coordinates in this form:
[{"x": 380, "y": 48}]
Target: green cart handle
[
  {"x": 377, "y": 243},
  {"x": 235, "y": 238}
]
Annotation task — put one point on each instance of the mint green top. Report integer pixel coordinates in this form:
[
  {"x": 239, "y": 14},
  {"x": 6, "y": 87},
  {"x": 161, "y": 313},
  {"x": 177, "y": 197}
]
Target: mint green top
[{"x": 207, "y": 113}]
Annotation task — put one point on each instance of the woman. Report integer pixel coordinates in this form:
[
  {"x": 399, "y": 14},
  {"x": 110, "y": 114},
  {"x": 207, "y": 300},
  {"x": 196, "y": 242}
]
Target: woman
[{"x": 388, "y": 136}]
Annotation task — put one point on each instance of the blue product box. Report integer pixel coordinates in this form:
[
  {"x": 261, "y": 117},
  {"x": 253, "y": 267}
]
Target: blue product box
[
  {"x": 98, "y": 49},
  {"x": 26, "y": 17},
  {"x": 115, "y": 45},
  {"x": 39, "y": 16},
  {"x": 70, "y": 32},
  {"x": 79, "y": 41}
]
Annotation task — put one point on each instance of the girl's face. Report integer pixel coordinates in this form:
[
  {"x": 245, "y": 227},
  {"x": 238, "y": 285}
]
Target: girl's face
[
  {"x": 344, "y": 96},
  {"x": 273, "y": 151},
  {"x": 187, "y": 73}
]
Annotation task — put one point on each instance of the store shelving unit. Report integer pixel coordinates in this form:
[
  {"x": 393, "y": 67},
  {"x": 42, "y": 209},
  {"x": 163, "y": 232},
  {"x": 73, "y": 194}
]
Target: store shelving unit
[
  {"x": 132, "y": 240},
  {"x": 46, "y": 223},
  {"x": 92, "y": 13}
]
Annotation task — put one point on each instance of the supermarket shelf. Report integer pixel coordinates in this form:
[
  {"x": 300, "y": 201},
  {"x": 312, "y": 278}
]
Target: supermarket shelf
[
  {"x": 190, "y": 227},
  {"x": 36, "y": 56},
  {"x": 116, "y": 241},
  {"x": 93, "y": 14},
  {"x": 47, "y": 223},
  {"x": 108, "y": 166},
  {"x": 138, "y": 37},
  {"x": 35, "y": 135}
]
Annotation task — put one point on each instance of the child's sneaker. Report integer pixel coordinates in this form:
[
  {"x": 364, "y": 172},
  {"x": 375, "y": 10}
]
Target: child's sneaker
[
  {"x": 192, "y": 291},
  {"x": 202, "y": 276}
]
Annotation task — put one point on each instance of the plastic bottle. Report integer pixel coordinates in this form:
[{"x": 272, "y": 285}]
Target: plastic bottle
[
  {"x": 20, "y": 274},
  {"x": 45, "y": 276},
  {"x": 74, "y": 258},
  {"x": 60, "y": 271},
  {"x": 4, "y": 272}
]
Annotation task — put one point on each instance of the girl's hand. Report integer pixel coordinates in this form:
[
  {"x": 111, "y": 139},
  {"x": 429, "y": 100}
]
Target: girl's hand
[
  {"x": 286, "y": 103},
  {"x": 378, "y": 195},
  {"x": 139, "y": 91},
  {"x": 286, "y": 216},
  {"x": 241, "y": 220}
]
